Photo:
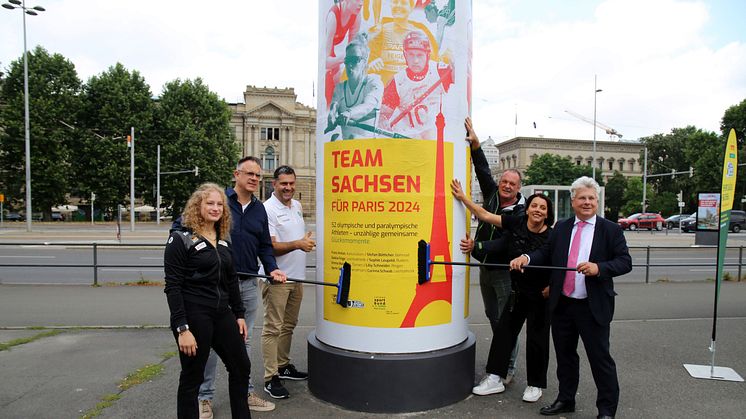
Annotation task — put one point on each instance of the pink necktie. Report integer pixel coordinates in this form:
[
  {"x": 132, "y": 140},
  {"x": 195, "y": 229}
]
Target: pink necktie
[{"x": 572, "y": 260}]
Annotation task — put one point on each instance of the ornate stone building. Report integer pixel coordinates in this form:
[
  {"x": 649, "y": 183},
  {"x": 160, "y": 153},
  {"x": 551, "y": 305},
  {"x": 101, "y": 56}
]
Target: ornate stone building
[
  {"x": 621, "y": 156},
  {"x": 272, "y": 125},
  {"x": 493, "y": 159}
]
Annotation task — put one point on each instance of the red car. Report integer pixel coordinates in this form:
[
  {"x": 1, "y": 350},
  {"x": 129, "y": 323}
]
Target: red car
[{"x": 649, "y": 220}]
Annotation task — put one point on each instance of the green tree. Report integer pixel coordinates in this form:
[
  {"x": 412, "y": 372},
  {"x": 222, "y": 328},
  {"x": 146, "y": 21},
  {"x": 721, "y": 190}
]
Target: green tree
[
  {"x": 193, "y": 128},
  {"x": 614, "y": 195},
  {"x": 664, "y": 203},
  {"x": 551, "y": 169},
  {"x": 113, "y": 101},
  {"x": 632, "y": 197},
  {"x": 734, "y": 117},
  {"x": 679, "y": 150},
  {"x": 54, "y": 89}
]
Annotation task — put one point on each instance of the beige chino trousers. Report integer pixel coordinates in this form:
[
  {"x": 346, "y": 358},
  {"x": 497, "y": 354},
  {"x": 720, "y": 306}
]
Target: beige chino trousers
[{"x": 281, "y": 308}]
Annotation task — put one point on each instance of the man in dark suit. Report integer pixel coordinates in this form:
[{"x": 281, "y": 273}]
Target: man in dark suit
[{"x": 582, "y": 300}]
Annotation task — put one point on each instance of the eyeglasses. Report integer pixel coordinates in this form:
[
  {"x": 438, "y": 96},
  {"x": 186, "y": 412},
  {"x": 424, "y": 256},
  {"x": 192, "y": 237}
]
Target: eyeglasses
[{"x": 250, "y": 174}]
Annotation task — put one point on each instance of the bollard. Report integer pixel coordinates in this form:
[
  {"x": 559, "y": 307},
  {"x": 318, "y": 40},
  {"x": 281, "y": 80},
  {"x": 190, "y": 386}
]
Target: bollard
[
  {"x": 95, "y": 264},
  {"x": 647, "y": 264}
]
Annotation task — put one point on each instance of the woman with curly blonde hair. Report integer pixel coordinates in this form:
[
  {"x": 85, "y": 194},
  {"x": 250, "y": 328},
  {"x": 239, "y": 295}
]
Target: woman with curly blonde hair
[
  {"x": 204, "y": 300},
  {"x": 192, "y": 217}
]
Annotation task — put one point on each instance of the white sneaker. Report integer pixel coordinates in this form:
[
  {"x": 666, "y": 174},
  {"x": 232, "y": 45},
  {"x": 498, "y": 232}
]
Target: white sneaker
[
  {"x": 205, "y": 409},
  {"x": 531, "y": 394},
  {"x": 490, "y": 384}
]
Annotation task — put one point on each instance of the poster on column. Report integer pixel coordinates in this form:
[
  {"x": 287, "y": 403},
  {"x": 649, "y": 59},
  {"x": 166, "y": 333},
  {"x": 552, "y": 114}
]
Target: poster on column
[{"x": 394, "y": 79}]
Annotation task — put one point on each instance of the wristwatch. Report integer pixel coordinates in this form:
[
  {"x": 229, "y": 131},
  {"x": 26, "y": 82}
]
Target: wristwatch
[{"x": 183, "y": 328}]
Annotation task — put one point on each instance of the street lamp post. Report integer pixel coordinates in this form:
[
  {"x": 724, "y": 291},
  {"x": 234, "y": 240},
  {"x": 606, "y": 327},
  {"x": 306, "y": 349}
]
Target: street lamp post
[
  {"x": 18, "y": 4},
  {"x": 596, "y": 90}
]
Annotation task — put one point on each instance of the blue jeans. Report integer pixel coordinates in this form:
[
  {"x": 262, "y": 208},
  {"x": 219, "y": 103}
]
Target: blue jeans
[
  {"x": 496, "y": 287},
  {"x": 250, "y": 299}
]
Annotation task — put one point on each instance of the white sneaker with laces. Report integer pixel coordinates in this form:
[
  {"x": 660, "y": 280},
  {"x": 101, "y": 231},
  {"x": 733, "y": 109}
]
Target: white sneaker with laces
[
  {"x": 490, "y": 384},
  {"x": 258, "y": 404},
  {"x": 532, "y": 394}
]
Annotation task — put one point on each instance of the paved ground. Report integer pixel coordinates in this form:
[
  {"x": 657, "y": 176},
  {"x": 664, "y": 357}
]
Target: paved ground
[{"x": 657, "y": 328}]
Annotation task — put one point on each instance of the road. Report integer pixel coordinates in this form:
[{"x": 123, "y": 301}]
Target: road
[{"x": 144, "y": 263}]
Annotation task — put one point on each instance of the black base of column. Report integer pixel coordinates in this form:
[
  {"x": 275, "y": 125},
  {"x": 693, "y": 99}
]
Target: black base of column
[{"x": 391, "y": 383}]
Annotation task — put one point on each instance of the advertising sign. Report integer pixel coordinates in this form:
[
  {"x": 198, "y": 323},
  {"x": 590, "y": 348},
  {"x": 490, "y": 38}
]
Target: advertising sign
[
  {"x": 708, "y": 211},
  {"x": 394, "y": 79}
]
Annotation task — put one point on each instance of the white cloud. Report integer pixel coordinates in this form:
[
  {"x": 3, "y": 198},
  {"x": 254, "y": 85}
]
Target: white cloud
[
  {"x": 655, "y": 59},
  {"x": 651, "y": 57}
]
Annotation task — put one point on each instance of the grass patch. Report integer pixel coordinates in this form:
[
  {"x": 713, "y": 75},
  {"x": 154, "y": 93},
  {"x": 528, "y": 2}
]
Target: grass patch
[
  {"x": 4, "y": 346},
  {"x": 144, "y": 374},
  {"x": 106, "y": 401},
  {"x": 145, "y": 283},
  {"x": 139, "y": 283},
  {"x": 140, "y": 376}
]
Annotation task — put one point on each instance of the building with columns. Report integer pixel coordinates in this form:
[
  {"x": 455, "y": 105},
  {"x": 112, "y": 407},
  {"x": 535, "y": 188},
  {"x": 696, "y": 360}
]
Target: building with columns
[
  {"x": 272, "y": 125},
  {"x": 493, "y": 159},
  {"x": 622, "y": 156}
]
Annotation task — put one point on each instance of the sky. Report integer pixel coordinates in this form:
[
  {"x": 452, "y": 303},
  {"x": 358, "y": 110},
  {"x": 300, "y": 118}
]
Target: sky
[{"x": 660, "y": 64}]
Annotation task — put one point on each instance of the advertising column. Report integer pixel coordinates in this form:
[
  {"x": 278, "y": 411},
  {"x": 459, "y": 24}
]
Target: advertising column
[{"x": 394, "y": 81}]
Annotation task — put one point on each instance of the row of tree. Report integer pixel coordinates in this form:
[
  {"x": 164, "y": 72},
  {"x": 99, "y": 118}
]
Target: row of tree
[
  {"x": 678, "y": 150},
  {"x": 79, "y": 147},
  {"x": 79, "y": 135}
]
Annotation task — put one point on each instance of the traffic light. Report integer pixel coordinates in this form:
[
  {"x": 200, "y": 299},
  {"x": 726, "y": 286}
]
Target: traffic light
[
  {"x": 691, "y": 171},
  {"x": 196, "y": 170},
  {"x": 673, "y": 173}
]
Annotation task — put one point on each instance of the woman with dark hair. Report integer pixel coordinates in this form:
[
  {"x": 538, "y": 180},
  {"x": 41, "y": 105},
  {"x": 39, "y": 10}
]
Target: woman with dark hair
[
  {"x": 527, "y": 303},
  {"x": 204, "y": 300}
]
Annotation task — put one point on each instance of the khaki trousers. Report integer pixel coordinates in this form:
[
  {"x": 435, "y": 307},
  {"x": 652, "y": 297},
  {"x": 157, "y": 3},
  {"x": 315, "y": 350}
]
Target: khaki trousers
[{"x": 281, "y": 308}]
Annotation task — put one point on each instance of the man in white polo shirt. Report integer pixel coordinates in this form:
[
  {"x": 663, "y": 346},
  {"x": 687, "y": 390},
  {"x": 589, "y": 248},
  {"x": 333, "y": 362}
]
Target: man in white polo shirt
[{"x": 282, "y": 301}]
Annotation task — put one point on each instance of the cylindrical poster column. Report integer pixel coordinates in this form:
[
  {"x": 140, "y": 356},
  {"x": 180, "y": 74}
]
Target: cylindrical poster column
[{"x": 395, "y": 78}]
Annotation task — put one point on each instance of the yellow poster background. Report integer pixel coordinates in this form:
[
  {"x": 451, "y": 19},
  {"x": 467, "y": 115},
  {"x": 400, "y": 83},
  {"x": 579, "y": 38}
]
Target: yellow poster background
[
  {"x": 730, "y": 168},
  {"x": 378, "y": 203}
]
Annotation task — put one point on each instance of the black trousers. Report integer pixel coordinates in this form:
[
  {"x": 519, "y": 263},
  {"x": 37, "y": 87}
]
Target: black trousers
[
  {"x": 216, "y": 329},
  {"x": 519, "y": 310},
  {"x": 572, "y": 319}
]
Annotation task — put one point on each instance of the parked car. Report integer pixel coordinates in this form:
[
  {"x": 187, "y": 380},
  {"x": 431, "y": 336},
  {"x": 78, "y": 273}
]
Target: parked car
[
  {"x": 674, "y": 220},
  {"x": 737, "y": 220},
  {"x": 649, "y": 220},
  {"x": 13, "y": 216},
  {"x": 58, "y": 216},
  {"x": 689, "y": 223}
]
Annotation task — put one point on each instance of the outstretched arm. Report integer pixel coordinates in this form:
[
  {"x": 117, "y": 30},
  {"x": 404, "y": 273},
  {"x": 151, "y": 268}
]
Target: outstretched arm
[{"x": 477, "y": 210}]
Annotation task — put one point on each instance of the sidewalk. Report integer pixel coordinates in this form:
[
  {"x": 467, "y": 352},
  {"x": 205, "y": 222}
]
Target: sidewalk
[{"x": 657, "y": 328}]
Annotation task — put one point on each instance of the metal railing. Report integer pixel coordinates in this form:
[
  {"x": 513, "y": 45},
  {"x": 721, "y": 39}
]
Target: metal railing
[{"x": 96, "y": 266}]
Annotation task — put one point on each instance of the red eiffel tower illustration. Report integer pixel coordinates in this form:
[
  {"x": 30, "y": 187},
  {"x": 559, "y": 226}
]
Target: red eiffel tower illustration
[{"x": 439, "y": 244}]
